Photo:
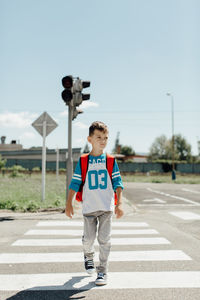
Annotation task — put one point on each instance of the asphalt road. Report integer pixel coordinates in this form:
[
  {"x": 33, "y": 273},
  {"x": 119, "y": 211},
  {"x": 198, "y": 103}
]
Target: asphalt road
[{"x": 155, "y": 252}]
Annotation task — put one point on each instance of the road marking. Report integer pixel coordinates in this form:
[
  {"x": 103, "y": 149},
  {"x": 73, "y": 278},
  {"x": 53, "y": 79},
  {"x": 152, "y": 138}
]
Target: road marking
[
  {"x": 80, "y": 232},
  {"x": 116, "y": 280},
  {"x": 168, "y": 205},
  {"x": 154, "y": 200},
  {"x": 78, "y": 242},
  {"x": 191, "y": 191},
  {"x": 80, "y": 223},
  {"x": 173, "y": 196},
  {"x": 151, "y": 255},
  {"x": 185, "y": 215}
]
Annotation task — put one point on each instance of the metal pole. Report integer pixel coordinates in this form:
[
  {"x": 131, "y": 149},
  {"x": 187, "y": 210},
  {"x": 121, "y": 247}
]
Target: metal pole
[
  {"x": 57, "y": 163},
  {"x": 69, "y": 160},
  {"x": 173, "y": 150},
  {"x": 172, "y": 99},
  {"x": 43, "y": 160}
]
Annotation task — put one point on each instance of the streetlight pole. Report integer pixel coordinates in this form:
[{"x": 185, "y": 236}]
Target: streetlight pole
[{"x": 173, "y": 151}]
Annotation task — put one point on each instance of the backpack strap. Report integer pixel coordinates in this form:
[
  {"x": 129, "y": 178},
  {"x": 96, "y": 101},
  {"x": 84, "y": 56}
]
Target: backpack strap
[
  {"x": 84, "y": 167},
  {"x": 110, "y": 160}
]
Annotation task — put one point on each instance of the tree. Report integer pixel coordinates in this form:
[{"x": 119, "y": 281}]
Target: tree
[
  {"x": 127, "y": 150},
  {"x": 162, "y": 148},
  {"x": 2, "y": 162},
  {"x": 182, "y": 148},
  {"x": 159, "y": 148}
]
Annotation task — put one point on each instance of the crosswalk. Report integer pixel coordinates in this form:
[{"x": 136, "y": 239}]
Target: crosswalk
[
  {"x": 185, "y": 215},
  {"x": 132, "y": 243}
]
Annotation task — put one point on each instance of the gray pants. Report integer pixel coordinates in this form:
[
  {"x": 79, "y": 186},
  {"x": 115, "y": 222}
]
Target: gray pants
[{"x": 100, "y": 221}]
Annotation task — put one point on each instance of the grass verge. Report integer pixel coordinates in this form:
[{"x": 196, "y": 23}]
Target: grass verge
[{"x": 23, "y": 193}]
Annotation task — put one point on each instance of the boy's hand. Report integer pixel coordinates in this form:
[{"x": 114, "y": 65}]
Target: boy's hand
[
  {"x": 119, "y": 211},
  {"x": 69, "y": 211}
]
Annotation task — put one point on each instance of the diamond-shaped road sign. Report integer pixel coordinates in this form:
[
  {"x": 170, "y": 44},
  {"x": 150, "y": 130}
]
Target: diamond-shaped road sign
[{"x": 50, "y": 124}]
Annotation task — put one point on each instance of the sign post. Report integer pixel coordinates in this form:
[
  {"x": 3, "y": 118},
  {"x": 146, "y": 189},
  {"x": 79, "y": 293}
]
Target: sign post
[
  {"x": 44, "y": 125},
  {"x": 57, "y": 163}
]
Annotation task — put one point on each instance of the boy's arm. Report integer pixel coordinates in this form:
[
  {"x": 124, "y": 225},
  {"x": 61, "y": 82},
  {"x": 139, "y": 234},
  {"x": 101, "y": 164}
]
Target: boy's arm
[
  {"x": 73, "y": 189},
  {"x": 69, "y": 208},
  {"x": 118, "y": 187},
  {"x": 118, "y": 208}
]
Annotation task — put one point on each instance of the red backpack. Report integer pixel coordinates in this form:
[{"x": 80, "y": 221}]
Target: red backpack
[{"x": 84, "y": 160}]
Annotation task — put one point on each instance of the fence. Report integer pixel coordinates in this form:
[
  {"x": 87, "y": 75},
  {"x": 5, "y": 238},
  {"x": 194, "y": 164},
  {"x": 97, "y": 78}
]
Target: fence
[{"x": 130, "y": 167}]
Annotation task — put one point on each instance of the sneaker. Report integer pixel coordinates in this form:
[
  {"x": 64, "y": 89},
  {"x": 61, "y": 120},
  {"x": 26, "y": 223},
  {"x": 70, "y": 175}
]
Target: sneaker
[
  {"x": 89, "y": 265},
  {"x": 101, "y": 279}
]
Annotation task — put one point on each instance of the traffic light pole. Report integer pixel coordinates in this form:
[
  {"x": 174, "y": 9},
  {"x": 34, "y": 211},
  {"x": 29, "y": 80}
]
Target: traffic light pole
[
  {"x": 69, "y": 159},
  {"x": 72, "y": 96}
]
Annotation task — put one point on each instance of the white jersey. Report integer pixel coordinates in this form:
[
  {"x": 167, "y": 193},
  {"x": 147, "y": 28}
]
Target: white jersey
[{"x": 97, "y": 191}]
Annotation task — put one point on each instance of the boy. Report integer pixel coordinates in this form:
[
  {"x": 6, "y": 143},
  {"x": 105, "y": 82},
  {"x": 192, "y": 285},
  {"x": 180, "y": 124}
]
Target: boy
[{"x": 98, "y": 201}]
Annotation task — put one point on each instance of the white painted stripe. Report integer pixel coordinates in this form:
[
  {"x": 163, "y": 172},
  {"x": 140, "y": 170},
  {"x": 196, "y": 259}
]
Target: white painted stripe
[
  {"x": 116, "y": 280},
  {"x": 191, "y": 191},
  {"x": 168, "y": 205},
  {"x": 185, "y": 215},
  {"x": 152, "y": 255},
  {"x": 80, "y": 223},
  {"x": 173, "y": 196},
  {"x": 80, "y": 232},
  {"x": 78, "y": 242},
  {"x": 154, "y": 200}
]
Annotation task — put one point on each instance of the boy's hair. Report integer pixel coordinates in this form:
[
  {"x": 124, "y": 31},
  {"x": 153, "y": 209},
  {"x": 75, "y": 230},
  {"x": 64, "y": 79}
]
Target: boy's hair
[{"x": 99, "y": 126}]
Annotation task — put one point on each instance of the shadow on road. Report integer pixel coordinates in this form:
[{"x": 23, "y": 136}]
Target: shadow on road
[
  {"x": 2, "y": 219},
  {"x": 64, "y": 292}
]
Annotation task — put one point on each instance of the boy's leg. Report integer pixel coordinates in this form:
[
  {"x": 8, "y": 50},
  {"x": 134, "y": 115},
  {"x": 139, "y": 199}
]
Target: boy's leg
[
  {"x": 89, "y": 235},
  {"x": 104, "y": 239}
]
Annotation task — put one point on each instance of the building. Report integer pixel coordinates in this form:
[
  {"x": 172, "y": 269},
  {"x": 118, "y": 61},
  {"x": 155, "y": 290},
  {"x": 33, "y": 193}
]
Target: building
[{"x": 30, "y": 158}]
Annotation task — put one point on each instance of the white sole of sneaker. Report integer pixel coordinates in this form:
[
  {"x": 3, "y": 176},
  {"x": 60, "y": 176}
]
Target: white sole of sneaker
[
  {"x": 91, "y": 271},
  {"x": 100, "y": 283}
]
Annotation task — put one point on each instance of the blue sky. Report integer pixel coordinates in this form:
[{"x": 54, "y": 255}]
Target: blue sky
[{"x": 132, "y": 51}]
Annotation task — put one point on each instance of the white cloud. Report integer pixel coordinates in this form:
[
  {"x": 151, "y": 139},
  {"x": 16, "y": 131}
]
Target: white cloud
[
  {"x": 27, "y": 135},
  {"x": 88, "y": 104},
  {"x": 80, "y": 142},
  {"x": 81, "y": 125},
  {"x": 17, "y": 120},
  {"x": 64, "y": 113}
]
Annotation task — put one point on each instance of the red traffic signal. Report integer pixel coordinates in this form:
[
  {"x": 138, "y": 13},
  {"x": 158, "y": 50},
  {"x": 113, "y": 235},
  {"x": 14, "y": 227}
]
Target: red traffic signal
[{"x": 67, "y": 83}]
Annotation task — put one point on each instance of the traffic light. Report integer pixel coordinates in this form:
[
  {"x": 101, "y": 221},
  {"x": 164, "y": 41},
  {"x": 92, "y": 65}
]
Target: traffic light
[
  {"x": 78, "y": 96},
  {"x": 67, "y": 94},
  {"x": 75, "y": 113},
  {"x": 72, "y": 94}
]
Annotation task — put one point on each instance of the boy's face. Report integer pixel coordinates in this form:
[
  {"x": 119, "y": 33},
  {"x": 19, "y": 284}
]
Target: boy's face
[{"x": 98, "y": 140}]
